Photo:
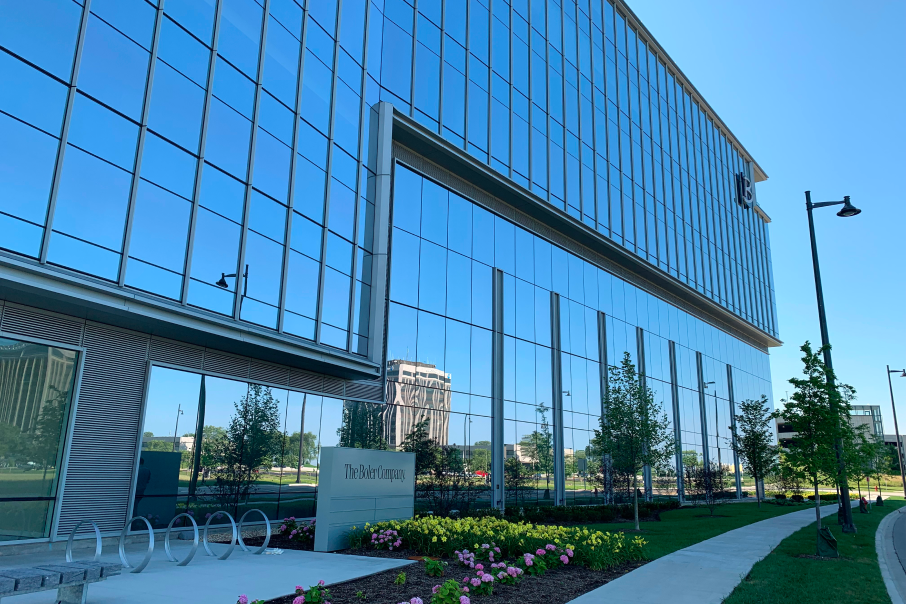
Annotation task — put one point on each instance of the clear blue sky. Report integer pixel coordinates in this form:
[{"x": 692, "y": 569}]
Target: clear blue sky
[{"x": 814, "y": 89}]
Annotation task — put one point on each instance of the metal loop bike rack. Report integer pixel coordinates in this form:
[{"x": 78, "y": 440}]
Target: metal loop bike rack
[
  {"x": 232, "y": 545},
  {"x": 192, "y": 551},
  {"x": 122, "y": 545},
  {"x": 267, "y": 537},
  {"x": 97, "y": 534}
]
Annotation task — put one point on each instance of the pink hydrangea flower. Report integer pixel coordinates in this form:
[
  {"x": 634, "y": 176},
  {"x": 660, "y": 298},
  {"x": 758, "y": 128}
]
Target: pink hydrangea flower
[
  {"x": 569, "y": 552},
  {"x": 435, "y": 588},
  {"x": 299, "y": 588},
  {"x": 479, "y": 567},
  {"x": 282, "y": 528},
  {"x": 475, "y": 583},
  {"x": 528, "y": 562},
  {"x": 501, "y": 575},
  {"x": 486, "y": 578},
  {"x": 511, "y": 571},
  {"x": 465, "y": 589},
  {"x": 464, "y": 600},
  {"x": 299, "y": 600},
  {"x": 497, "y": 549},
  {"x": 564, "y": 559},
  {"x": 243, "y": 599},
  {"x": 465, "y": 579},
  {"x": 416, "y": 601},
  {"x": 321, "y": 582},
  {"x": 550, "y": 547},
  {"x": 540, "y": 552}
]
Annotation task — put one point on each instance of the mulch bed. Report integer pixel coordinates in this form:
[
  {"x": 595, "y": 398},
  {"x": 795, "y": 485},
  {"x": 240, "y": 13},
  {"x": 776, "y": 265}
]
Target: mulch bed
[{"x": 557, "y": 586}]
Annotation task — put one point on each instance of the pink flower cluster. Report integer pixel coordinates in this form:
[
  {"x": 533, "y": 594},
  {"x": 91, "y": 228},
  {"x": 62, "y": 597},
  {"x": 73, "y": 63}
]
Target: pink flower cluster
[
  {"x": 389, "y": 538},
  {"x": 414, "y": 601}
]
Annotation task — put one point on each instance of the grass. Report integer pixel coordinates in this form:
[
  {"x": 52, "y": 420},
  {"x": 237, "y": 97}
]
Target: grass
[
  {"x": 785, "y": 577},
  {"x": 689, "y": 525}
]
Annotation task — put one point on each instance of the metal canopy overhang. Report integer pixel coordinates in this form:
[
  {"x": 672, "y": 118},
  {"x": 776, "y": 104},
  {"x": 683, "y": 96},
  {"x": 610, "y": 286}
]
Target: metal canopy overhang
[
  {"x": 51, "y": 288},
  {"x": 429, "y": 145}
]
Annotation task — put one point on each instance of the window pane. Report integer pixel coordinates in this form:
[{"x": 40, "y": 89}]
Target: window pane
[
  {"x": 302, "y": 286},
  {"x": 195, "y": 15},
  {"x": 103, "y": 133},
  {"x": 336, "y": 299},
  {"x": 27, "y": 160},
  {"x": 160, "y": 226},
  {"x": 43, "y": 31},
  {"x": 114, "y": 69},
  {"x": 240, "y": 34},
  {"x": 281, "y": 63},
  {"x": 91, "y": 204},
  {"x": 30, "y": 95},
  {"x": 215, "y": 251},
  {"x": 177, "y": 105},
  {"x": 168, "y": 166},
  {"x": 183, "y": 52},
  {"x": 228, "y": 139}
]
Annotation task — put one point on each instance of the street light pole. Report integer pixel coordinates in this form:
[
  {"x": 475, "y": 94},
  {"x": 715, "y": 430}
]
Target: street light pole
[
  {"x": 896, "y": 427},
  {"x": 847, "y": 211}
]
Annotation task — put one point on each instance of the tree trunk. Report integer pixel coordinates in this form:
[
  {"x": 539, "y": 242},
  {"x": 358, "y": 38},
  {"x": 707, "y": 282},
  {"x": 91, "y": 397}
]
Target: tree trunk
[
  {"x": 817, "y": 513},
  {"x": 635, "y": 498},
  {"x": 757, "y": 494}
]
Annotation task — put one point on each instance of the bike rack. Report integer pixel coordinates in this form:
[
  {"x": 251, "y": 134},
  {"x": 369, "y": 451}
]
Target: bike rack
[
  {"x": 267, "y": 537},
  {"x": 192, "y": 551},
  {"x": 232, "y": 545},
  {"x": 97, "y": 534},
  {"x": 122, "y": 545}
]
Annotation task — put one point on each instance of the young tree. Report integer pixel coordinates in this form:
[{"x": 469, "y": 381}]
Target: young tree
[
  {"x": 539, "y": 448},
  {"x": 515, "y": 478},
  {"x": 815, "y": 412},
  {"x": 753, "y": 440},
  {"x": 419, "y": 441},
  {"x": 634, "y": 430}
]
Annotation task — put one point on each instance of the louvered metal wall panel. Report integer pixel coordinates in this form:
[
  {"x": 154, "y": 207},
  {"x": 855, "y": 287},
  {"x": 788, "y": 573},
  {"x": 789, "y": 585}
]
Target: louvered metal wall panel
[
  {"x": 34, "y": 323},
  {"x": 269, "y": 374},
  {"x": 177, "y": 353},
  {"x": 305, "y": 381},
  {"x": 102, "y": 450},
  {"x": 332, "y": 386},
  {"x": 363, "y": 390},
  {"x": 226, "y": 364}
]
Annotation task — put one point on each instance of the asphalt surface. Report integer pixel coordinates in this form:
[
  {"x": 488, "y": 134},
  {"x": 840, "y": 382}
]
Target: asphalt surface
[{"x": 899, "y": 539}]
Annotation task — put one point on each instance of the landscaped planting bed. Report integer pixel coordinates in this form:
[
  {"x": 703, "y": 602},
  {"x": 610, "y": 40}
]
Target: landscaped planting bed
[{"x": 474, "y": 560}]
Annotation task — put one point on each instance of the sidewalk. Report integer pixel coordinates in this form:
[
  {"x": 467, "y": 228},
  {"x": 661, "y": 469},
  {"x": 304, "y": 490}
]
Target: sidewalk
[
  {"x": 705, "y": 572},
  {"x": 890, "y": 543}
]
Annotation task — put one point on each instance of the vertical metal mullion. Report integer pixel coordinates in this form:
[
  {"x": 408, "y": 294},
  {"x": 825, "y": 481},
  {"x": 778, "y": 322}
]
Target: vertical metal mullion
[
  {"x": 414, "y": 51},
  {"x": 64, "y": 132},
  {"x": 443, "y": 45},
  {"x": 732, "y": 398},
  {"x": 142, "y": 132},
  {"x": 490, "y": 82},
  {"x": 706, "y": 457},
  {"x": 604, "y": 381},
  {"x": 643, "y": 382},
  {"x": 241, "y": 278},
  {"x": 563, "y": 85},
  {"x": 498, "y": 452},
  {"x": 322, "y": 274},
  {"x": 677, "y": 428},
  {"x": 557, "y": 402},
  {"x": 465, "y": 138},
  {"x": 292, "y": 178},
  {"x": 199, "y": 169},
  {"x": 509, "y": 142}
]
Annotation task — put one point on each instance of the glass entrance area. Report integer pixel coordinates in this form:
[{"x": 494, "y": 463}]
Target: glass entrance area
[{"x": 36, "y": 384}]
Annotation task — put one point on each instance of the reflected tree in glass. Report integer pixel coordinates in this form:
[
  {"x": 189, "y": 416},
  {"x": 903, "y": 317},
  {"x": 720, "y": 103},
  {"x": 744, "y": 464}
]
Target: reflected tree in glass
[
  {"x": 538, "y": 447},
  {"x": 362, "y": 427},
  {"x": 234, "y": 456}
]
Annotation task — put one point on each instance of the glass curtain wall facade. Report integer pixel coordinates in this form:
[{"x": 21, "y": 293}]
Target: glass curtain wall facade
[
  {"x": 218, "y": 156},
  {"x": 160, "y": 146},
  {"x": 444, "y": 249}
]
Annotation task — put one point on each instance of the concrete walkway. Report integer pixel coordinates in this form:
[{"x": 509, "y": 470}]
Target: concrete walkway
[
  {"x": 705, "y": 572},
  {"x": 890, "y": 543},
  {"x": 206, "y": 579}
]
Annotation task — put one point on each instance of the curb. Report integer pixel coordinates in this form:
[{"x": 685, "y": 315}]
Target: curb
[{"x": 891, "y": 569}]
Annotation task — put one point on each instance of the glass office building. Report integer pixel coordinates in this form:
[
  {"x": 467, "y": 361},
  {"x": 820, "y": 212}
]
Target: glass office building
[{"x": 356, "y": 217}]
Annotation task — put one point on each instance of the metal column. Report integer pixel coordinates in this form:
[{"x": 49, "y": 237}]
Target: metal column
[
  {"x": 706, "y": 458},
  {"x": 498, "y": 452},
  {"x": 642, "y": 370},
  {"x": 557, "y": 403},
  {"x": 733, "y": 435},
  {"x": 606, "y": 466},
  {"x": 677, "y": 429}
]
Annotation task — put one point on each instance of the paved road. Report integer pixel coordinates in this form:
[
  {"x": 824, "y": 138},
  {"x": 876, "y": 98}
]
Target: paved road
[
  {"x": 705, "y": 572},
  {"x": 899, "y": 539}
]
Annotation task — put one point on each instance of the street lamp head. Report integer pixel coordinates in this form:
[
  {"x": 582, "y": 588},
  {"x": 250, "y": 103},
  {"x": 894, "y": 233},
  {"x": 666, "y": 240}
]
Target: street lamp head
[
  {"x": 848, "y": 209},
  {"x": 903, "y": 374},
  {"x": 222, "y": 282}
]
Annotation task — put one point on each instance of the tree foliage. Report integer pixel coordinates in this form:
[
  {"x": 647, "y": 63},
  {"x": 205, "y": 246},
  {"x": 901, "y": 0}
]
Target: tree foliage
[
  {"x": 753, "y": 439},
  {"x": 706, "y": 484},
  {"x": 362, "y": 426},
  {"x": 819, "y": 415},
  {"x": 634, "y": 430},
  {"x": 251, "y": 441}
]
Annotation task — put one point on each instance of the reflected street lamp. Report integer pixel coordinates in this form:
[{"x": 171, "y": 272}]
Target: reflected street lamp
[
  {"x": 176, "y": 429},
  {"x": 222, "y": 282},
  {"x": 896, "y": 427},
  {"x": 847, "y": 211}
]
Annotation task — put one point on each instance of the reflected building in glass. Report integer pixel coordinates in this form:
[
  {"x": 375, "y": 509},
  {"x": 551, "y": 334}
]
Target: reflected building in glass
[{"x": 343, "y": 218}]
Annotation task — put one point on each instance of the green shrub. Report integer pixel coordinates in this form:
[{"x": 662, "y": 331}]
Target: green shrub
[{"x": 434, "y": 568}]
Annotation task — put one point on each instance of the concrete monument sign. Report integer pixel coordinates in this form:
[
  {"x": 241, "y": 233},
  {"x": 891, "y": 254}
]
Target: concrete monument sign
[{"x": 356, "y": 486}]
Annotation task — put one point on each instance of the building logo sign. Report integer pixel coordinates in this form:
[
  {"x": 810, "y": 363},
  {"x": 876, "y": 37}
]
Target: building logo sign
[
  {"x": 356, "y": 486},
  {"x": 744, "y": 190}
]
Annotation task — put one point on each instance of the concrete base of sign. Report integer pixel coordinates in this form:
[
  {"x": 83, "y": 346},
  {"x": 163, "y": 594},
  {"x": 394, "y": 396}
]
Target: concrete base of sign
[{"x": 208, "y": 579}]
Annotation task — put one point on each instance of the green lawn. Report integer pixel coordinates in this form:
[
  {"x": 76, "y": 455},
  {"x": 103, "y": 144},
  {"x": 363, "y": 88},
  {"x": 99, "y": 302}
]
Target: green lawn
[
  {"x": 785, "y": 577},
  {"x": 689, "y": 525}
]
